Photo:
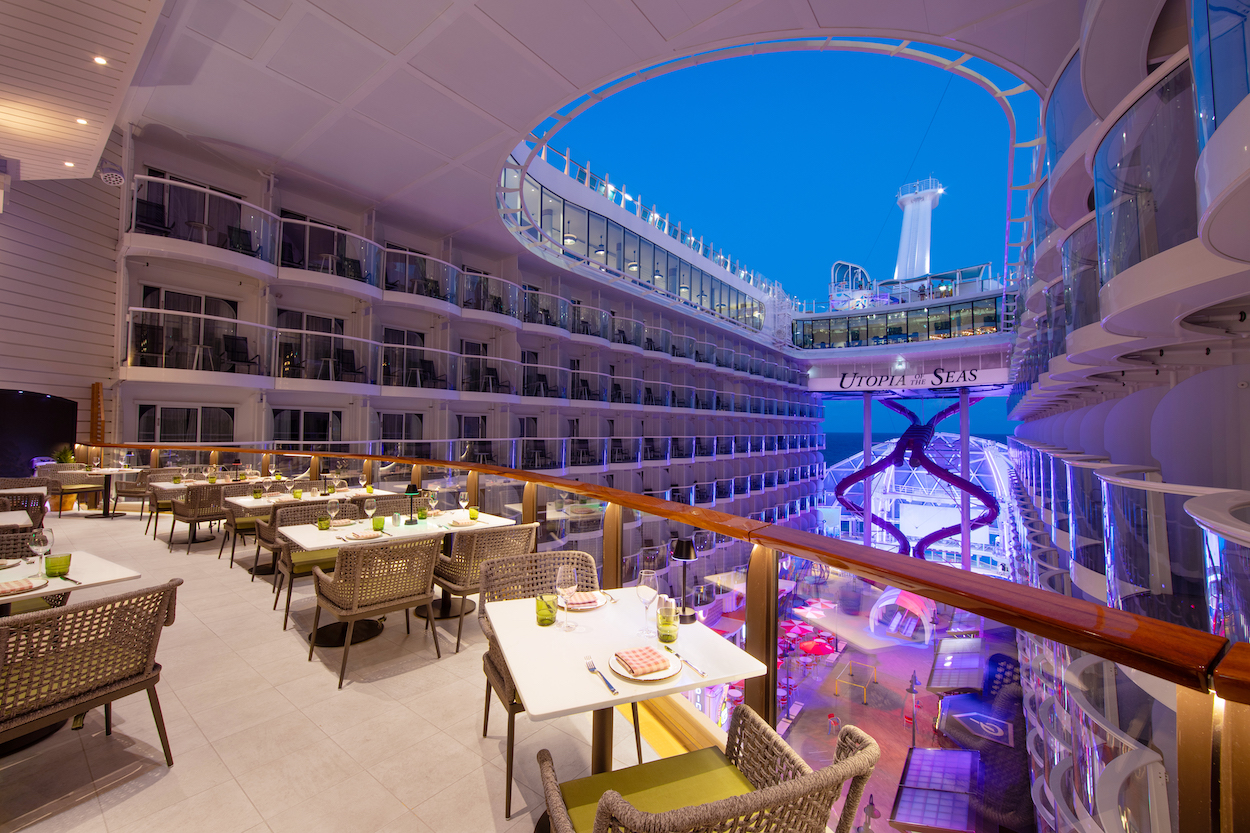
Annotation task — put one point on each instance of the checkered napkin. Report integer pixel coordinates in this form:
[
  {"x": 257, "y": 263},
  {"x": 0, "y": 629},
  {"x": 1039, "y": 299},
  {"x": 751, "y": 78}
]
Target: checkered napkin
[
  {"x": 645, "y": 660},
  {"x": 583, "y": 600},
  {"x": 18, "y": 585},
  {"x": 342, "y": 522}
]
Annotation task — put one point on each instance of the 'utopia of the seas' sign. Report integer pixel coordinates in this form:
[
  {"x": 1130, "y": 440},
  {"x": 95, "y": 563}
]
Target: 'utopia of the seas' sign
[{"x": 937, "y": 378}]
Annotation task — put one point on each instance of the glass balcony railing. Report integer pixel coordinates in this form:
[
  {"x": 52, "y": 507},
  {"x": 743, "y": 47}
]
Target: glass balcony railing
[
  {"x": 305, "y": 354},
  {"x": 192, "y": 341},
  {"x": 166, "y": 208},
  {"x": 546, "y": 309},
  {"x": 1067, "y": 114},
  {"x": 1225, "y": 524},
  {"x": 627, "y": 331},
  {"x": 1143, "y": 177},
  {"x": 590, "y": 321},
  {"x": 1220, "y": 60},
  {"x": 417, "y": 274},
  {"x": 489, "y": 294},
  {"x": 683, "y": 347},
  {"x": 330, "y": 251},
  {"x": 656, "y": 339},
  {"x": 1080, "y": 277}
]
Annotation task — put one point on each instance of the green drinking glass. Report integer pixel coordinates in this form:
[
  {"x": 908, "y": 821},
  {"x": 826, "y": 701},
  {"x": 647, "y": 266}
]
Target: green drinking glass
[
  {"x": 55, "y": 566},
  {"x": 545, "y": 607}
]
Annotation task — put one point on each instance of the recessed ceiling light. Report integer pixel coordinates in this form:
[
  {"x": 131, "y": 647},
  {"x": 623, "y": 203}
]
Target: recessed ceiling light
[
  {"x": 82, "y": 121},
  {"x": 101, "y": 61},
  {"x": 69, "y": 164}
]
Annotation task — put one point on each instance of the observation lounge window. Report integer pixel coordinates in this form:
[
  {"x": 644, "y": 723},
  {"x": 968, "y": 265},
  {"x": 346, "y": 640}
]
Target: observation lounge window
[
  {"x": 939, "y": 322},
  {"x": 918, "y": 325}
]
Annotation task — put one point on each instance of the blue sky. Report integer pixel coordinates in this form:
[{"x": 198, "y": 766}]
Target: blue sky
[{"x": 791, "y": 161}]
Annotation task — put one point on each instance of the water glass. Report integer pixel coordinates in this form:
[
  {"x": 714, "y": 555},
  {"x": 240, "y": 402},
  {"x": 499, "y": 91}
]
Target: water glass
[
  {"x": 378, "y": 523},
  {"x": 371, "y": 506},
  {"x": 41, "y": 541},
  {"x": 566, "y": 586},
  {"x": 666, "y": 619},
  {"x": 545, "y": 608},
  {"x": 323, "y": 522},
  {"x": 297, "y": 493},
  {"x": 332, "y": 507},
  {"x": 55, "y": 566},
  {"x": 648, "y": 589},
  {"x": 473, "y": 513}
]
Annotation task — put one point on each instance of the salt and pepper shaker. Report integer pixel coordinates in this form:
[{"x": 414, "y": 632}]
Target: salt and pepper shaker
[{"x": 395, "y": 521}]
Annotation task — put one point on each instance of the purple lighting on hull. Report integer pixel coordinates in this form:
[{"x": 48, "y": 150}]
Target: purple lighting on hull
[{"x": 916, "y": 439}]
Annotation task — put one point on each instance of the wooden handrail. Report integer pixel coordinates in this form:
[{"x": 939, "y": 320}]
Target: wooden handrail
[{"x": 1171, "y": 652}]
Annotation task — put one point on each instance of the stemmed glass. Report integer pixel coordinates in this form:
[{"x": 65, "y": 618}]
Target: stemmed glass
[
  {"x": 648, "y": 589},
  {"x": 566, "y": 586},
  {"x": 360, "y": 479},
  {"x": 41, "y": 544},
  {"x": 371, "y": 506},
  {"x": 463, "y": 499},
  {"x": 332, "y": 509},
  {"x": 431, "y": 499},
  {"x": 185, "y": 471},
  {"x": 266, "y": 485}
]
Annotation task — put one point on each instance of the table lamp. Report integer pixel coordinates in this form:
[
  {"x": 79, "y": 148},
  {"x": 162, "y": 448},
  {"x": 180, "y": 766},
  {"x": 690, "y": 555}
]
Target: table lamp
[
  {"x": 683, "y": 551},
  {"x": 412, "y": 491}
]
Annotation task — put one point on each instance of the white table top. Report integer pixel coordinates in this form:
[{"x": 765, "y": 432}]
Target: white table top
[
  {"x": 549, "y": 666},
  {"x": 16, "y": 517},
  {"x": 311, "y": 538},
  {"x": 250, "y": 503},
  {"x": 26, "y": 490},
  {"x": 89, "y": 569}
]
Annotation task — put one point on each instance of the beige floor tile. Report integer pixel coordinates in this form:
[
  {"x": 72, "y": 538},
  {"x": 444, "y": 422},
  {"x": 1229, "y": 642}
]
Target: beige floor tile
[
  {"x": 266, "y": 742},
  {"x": 359, "y": 804},
  {"x": 407, "y": 823},
  {"x": 84, "y": 817},
  {"x": 475, "y": 804},
  {"x": 217, "y": 722},
  {"x": 425, "y": 769},
  {"x": 132, "y": 787},
  {"x": 383, "y": 736},
  {"x": 222, "y": 809},
  {"x": 571, "y": 756},
  {"x": 53, "y": 781},
  {"x": 450, "y": 703},
  {"x": 290, "y": 780}
]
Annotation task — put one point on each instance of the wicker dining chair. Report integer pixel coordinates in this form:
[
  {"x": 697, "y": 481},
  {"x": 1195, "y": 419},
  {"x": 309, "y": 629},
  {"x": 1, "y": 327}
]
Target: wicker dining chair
[
  {"x": 292, "y": 562},
  {"x": 524, "y": 577},
  {"x": 64, "y": 662},
  {"x": 375, "y": 579},
  {"x": 460, "y": 573},
  {"x": 136, "y": 489},
  {"x": 75, "y": 482},
  {"x": 14, "y": 544},
  {"x": 36, "y": 505},
  {"x": 239, "y": 522},
  {"x": 200, "y": 504},
  {"x": 387, "y": 504},
  {"x": 159, "y": 501},
  {"x": 758, "y": 783}
]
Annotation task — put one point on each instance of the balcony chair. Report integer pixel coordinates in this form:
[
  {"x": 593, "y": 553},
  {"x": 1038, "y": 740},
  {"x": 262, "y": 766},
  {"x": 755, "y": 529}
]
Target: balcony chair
[
  {"x": 148, "y": 341},
  {"x": 235, "y": 353},
  {"x": 581, "y": 453},
  {"x": 372, "y": 580},
  {"x": 620, "y": 454},
  {"x": 150, "y": 218},
  {"x": 618, "y": 395},
  {"x": 524, "y": 576},
  {"x": 346, "y": 361},
  {"x": 85, "y": 655},
  {"x": 491, "y": 382},
  {"x": 291, "y": 257},
  {"x": 430, "y": 377},
  {"x": 538, "y": 386},
  {"x": 459, "y": 574},
  {"x": 200, "y": 504},
  {"x": 758, "y": 783},
  {"x": 619, "y": 337},
  {"x": 292, "y": 562},
  {"x": 240, "y": 240}
]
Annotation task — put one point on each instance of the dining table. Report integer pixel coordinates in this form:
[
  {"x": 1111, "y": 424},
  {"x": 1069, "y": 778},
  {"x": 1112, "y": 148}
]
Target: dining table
[
  {"x": 552, "y": 677},
  {"x": 109, "y": 474},
  {"x": 309, "y": 537}
]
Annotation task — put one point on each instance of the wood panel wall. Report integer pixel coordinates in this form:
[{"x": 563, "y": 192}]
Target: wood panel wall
[{"x": 58, "y": 288}]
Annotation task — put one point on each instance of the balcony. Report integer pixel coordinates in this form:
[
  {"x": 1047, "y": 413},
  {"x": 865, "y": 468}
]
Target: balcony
[
  {"x": 422, "y": 277},
  {"x": 324, "y": 250}
]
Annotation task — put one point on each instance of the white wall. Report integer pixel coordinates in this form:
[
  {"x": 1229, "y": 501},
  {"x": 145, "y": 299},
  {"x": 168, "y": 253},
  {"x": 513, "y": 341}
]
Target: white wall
[
  {"x": 1200, "y": 432},
  {"x": 1127, "y": 429}
]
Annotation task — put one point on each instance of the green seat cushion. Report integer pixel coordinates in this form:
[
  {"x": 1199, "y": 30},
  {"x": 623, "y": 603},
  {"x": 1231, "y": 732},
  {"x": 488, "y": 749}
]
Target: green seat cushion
[
  {"x": 84, "y": 487},
  {"x": 29, "y": 606},
  {"x": 244, "y": 523},
  {"x": 303, "y": 561},
  {"x": 681, "y": 781}
]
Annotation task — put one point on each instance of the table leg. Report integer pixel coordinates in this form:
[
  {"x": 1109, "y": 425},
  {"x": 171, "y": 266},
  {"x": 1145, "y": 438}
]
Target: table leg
[
  {"x": 449, "y": 608},
  {"x": 601, "y": 741},
  {"x": 108, "y": 490}
]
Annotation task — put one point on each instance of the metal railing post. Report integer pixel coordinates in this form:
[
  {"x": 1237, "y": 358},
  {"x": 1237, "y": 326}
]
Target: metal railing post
[{"x": 760, "y": 693}]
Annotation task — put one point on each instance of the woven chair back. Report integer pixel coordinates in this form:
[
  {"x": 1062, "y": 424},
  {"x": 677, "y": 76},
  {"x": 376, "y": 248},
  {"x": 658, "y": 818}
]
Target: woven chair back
[
  {"x": 163, "y": 475},
  {"x": 387, "y": 504},
  {"x": 526, "y": 575},
  {"x": 368, "y": 575},
  {"x": 203, "y": 499},
  {"x": 5, "y": 506},
  {"x": 306, "y": 512},
  {"x": 15, "y": 545},
  {"x": 35, "y": 506},
  {"x": 23, "y": 482},
  {"x": 470, "y": 549},
  {"x": 53, "y": 656}
]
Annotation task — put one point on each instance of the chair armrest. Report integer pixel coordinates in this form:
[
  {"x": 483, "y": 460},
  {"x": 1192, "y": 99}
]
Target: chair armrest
[
  {"x": 556, "y": 811},
  {"x": 178, "y": 506}
]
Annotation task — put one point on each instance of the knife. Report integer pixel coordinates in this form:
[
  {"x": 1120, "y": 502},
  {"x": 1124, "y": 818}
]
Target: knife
[
  {"x": 694, "y": 667},
  {"x": 76, "y": 581}
]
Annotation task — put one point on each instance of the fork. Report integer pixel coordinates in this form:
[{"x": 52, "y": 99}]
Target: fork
[{"x": 590, "y": 666}]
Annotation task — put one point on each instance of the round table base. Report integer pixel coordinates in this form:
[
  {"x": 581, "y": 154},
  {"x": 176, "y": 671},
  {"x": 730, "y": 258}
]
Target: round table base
[
  {"x": 262, "y": 569},
  {"x": 335, "y": 635},
  {"x": 449, "y": 609},
  {"x": 108, "y": 515}
]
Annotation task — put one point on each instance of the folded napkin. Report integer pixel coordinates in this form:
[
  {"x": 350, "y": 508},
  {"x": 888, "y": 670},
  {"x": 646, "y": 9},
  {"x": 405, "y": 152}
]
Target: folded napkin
[
  {"x": 645, "y": 660},
  {"x": 18, "y": 585},
  {"x": 342, "y": 522},
  {"x": 583, "y": 600},
  {"x": 275, "y": 493},
  {"x": 365, "y": 535}
]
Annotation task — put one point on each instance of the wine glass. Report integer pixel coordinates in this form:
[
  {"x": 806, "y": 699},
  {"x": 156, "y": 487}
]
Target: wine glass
[
  {"x": 41, "y": 544},
  {"x": 185, "y": 471},
  {"x": 371, "y": 506},
  {"x": 360, "y": 479},
  {"x": 266, "y": 484},
  {"x": 97, "y": 461},
  {"x": 566, "y": 586},
  {"x": 648, "y": 589},
  {"x": 332, "y": 508},
  {"x": 431, "y": 499},
  {"x": 463, "y": 499}
]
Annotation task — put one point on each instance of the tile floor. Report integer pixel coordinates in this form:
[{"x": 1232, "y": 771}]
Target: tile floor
[{"x": 263, "y": 740}]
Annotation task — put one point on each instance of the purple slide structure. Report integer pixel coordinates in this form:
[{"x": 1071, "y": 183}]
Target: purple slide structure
[{"x": 915, "y": 440}]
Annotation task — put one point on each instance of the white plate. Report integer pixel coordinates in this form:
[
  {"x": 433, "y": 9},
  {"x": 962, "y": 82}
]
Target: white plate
[
  {"x": 365, "y": 535},
  {"x": 604, "y": 598},
  {"x": 463, "y": 524},
  {"x": 39, "y": 583},
  {"x": 618, "y": 667},
  {"x": 6, "y": 563}
]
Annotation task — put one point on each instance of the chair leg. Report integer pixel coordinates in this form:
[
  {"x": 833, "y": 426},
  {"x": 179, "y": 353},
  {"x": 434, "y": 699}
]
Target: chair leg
[
  {"x": 637, "y": 730},
  {"x": 347, "y": 647},
  {"x": 234, "y": 539},
  {"x": 279, "y": 578},
  {"x": 287, "y": 615},
  {"x": 193, "y": 527},
  {"x": 407, "y": 621},
  {"x": 486, "y": 710},
  {"x": 429, "y": 617},
  {"x": 256, "y": 560},
  {"x": 222, "y": 547},
  {"x": 507, "y": 796},
  {"x": 312, "y": 637},
  {"x": 460, "y": 627},
  {"x": 172, "y": 523},
  {"x": 108, "y": 718},
  {"x": 149, "y": 520},
  {"x": 160, "y": 723}
]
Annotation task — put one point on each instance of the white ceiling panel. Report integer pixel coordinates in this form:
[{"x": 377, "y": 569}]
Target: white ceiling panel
[
  {"x": 367, "y": 158},
  {"x": 700, "y": 10},
  {"x": 474, "y": 62},
  {"x": 668, "y": 18},
  {"x": 409, "y": 105},
  {"x": 273, "y": 8},
  {"x": 453, "y": 200},
  {"x": 213, "y": 93},
  {"x": 329, "y": 59},
  {"x": 49, "y": 79},
  {"x": 577, "y": 43},
  {"x": 391, "y": 24},
  {"x": 234, "y": 25},
  {"x": 761, "y": 18},
  {"x": 898, "y": 15}
]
